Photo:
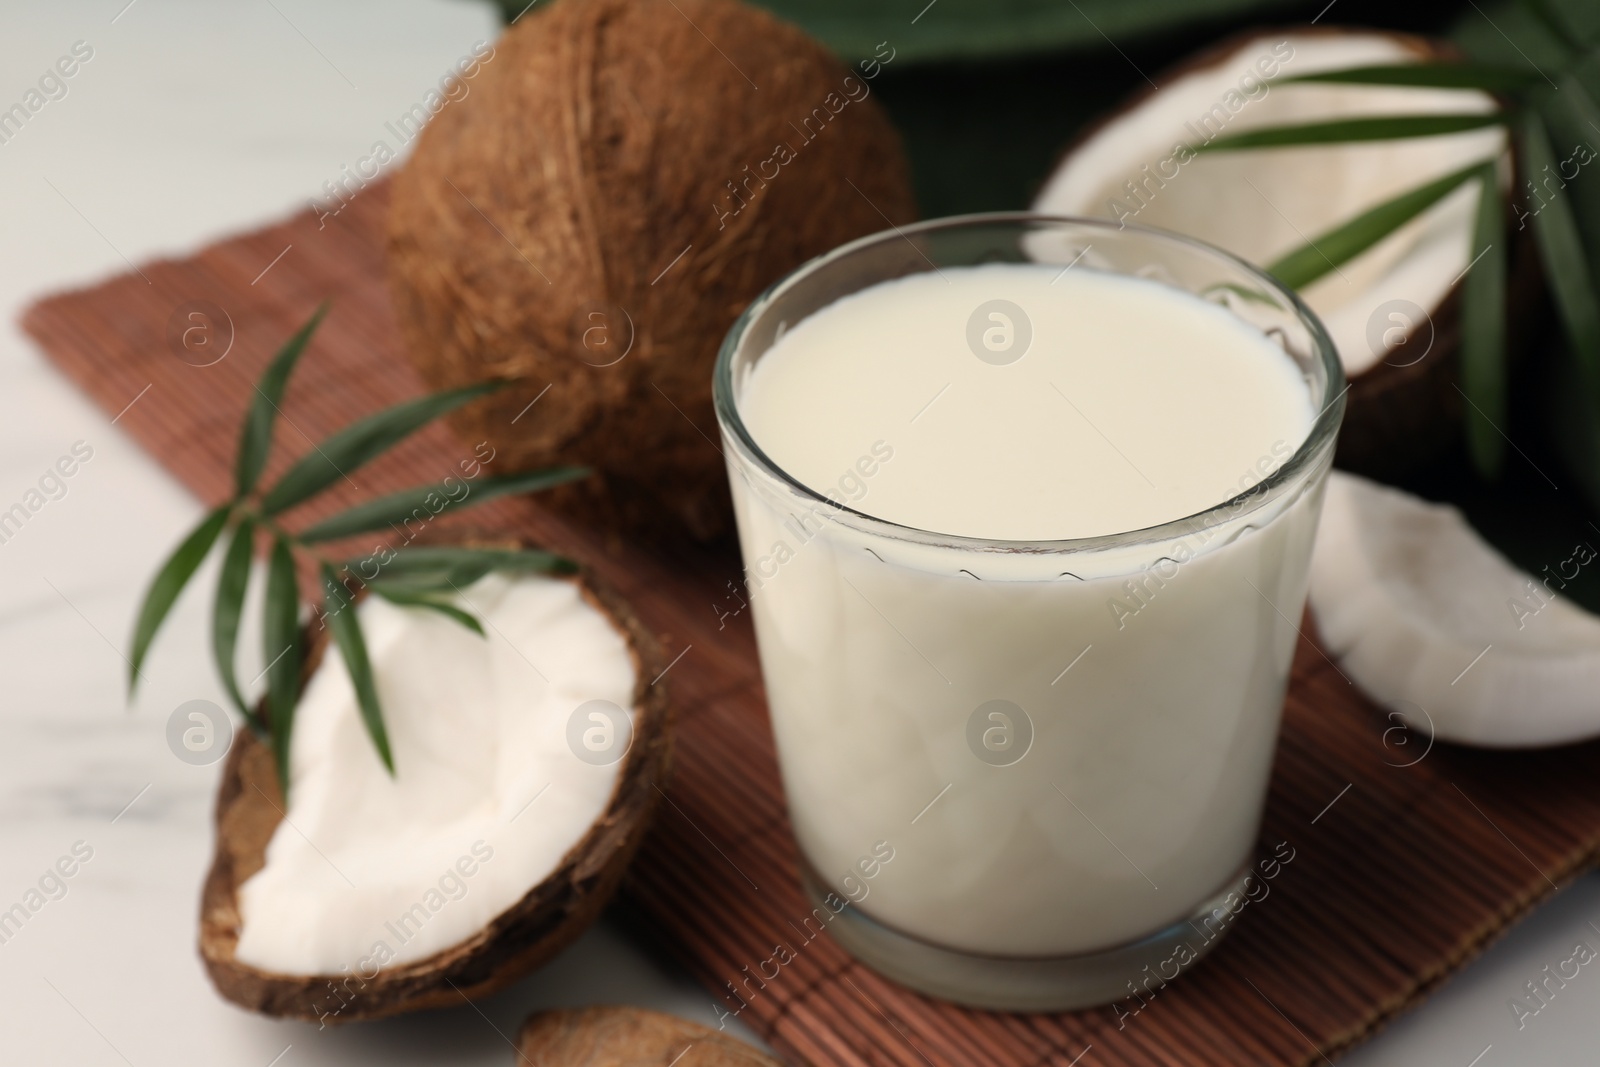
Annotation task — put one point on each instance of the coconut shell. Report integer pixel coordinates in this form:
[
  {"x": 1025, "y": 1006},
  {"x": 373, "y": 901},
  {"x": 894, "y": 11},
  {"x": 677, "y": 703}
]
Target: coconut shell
[
  {"x": 523, "y": 937},
  {"x": 628, "y": 1037},
  {"x": 1401, "y": 413},
  {"x": 624, "y": 178}
]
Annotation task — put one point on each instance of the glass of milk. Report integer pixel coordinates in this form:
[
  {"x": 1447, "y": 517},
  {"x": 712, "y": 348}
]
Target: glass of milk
[{"x": 1026, "y": 506}]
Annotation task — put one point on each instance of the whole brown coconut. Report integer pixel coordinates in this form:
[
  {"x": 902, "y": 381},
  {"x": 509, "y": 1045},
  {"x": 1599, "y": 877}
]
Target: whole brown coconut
[{"x": 625, "y": 177}]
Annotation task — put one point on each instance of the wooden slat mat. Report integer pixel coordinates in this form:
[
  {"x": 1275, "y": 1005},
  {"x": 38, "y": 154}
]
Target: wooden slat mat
[{"x": 1400, "y": 873}]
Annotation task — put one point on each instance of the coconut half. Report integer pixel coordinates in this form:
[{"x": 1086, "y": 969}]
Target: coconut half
[
  {"x": 529, "y": 762},
  {"x": 1392, "y": 310},
  {"x": 1437, "y": 626},
  {"x": 628, "y": 1037}
]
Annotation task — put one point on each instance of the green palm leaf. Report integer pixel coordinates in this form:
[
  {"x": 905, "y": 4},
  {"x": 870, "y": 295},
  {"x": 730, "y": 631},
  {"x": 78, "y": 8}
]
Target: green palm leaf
[
  {"x": 921, "y": 31},
  {"x": 1572, "y": 117},
  {"x": 1560, "y": 242},
  {"x": 346, "y": 628},
  {"x": 1425, "y": 76},
  {"x": 1331, "y": 250},
  {"x": 280, "y": 646},
  {"x": 255, "y": 440},
  {"x": 413, "y": 597},
  {"x": 1483, "y": 330},
  {"x": 406, "y": 504},
  {"x": 363, "y": 441},
  {"x": 167, "y": 584},
  {"x": 439, "y": 569},
  {"x": 1346, "y": 131},
  {"x": 229, "y": 605}
]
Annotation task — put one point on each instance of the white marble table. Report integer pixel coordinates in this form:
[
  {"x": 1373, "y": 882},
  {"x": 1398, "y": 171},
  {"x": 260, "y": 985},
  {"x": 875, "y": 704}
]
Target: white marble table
[{"x": 192, "y": 119}]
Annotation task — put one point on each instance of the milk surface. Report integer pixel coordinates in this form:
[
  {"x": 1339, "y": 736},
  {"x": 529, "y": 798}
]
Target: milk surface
[
  {"x": 1132, "y": 404},
  {"x": 1139, "y": 687}
]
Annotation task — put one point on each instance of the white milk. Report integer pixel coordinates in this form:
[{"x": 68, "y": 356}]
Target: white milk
[{"x": 1121, "y": 779}]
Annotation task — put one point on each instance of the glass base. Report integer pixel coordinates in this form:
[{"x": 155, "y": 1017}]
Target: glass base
[{"x": 1010, "y": 983}]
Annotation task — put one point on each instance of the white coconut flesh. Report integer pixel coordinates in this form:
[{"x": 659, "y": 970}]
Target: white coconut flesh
[
  {"x": 366, "y": 870},
  {"x": 1435, "y": 625},
  {"x": 1263, "y": 203}
]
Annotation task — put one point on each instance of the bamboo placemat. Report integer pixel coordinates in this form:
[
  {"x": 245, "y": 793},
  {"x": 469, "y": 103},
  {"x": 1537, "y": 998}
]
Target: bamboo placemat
[{"x": 1407, "y": 859}]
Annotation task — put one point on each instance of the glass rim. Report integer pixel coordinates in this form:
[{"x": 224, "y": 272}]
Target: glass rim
[{"x": 1318, "y": 440}]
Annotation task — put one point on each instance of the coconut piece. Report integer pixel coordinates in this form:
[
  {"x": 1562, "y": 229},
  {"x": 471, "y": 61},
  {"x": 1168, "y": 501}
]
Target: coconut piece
[
  {"x": 628, "y": 1037},
  {"x": 1393, "y": 312},
  {"x": 486, "y": 928},
  {"x": 1437, "y": 626},
  {"x": 591, "y": 220}
]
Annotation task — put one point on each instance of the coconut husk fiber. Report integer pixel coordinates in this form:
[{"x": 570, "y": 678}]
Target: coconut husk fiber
[{"x": 624, "y": 178}]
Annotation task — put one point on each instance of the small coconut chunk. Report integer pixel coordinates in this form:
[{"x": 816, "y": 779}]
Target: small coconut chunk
[
  {"x": 628, "y": 1037},
  {"x": 368, "y": 870},
  {"x": 1435, "y": 625}
]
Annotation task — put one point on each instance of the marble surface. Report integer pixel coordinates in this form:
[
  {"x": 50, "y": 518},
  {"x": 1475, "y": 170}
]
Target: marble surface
[{"x": 193, "y": 119}]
